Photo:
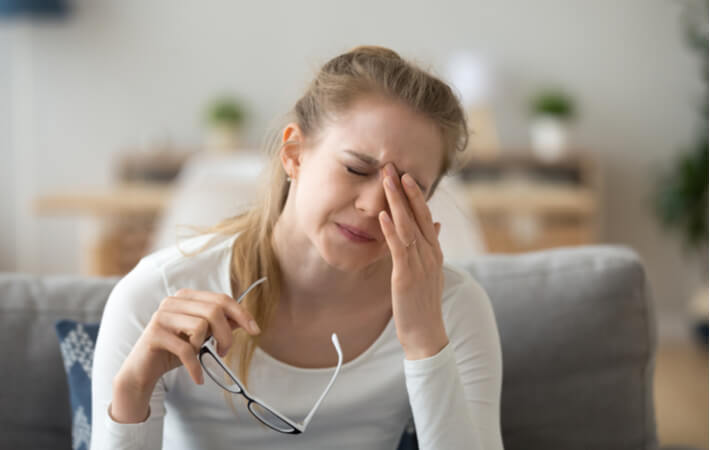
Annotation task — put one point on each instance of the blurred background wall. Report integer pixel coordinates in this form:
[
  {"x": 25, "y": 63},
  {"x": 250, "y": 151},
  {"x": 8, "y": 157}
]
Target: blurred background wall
[{"x": 114, "y": 75}]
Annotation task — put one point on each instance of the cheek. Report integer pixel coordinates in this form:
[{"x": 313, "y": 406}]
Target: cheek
[
  {"x": 331, "y": 184},
  {"x": 320, "y": 199}
]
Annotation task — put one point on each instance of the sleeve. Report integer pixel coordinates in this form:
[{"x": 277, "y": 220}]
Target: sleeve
[
  {"x": 128, "y": 310},
  {"x": 455, "y": 394}
]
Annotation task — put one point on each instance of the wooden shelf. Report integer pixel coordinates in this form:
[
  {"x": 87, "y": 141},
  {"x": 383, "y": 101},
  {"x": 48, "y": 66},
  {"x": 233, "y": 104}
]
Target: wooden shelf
[
  {"x": 493, "y": 198},
  {"x": 526, "y": 204}
]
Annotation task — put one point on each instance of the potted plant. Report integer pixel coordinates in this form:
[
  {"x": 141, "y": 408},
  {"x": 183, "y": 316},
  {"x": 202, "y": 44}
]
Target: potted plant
[
  {"x": 680, "y": 197},
  {"x": 225, "y": 118},
  {"x": 552, "y": 110}
]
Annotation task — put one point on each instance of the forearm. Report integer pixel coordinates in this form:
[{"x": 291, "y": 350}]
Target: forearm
[
  {"x": 442, "y": 415},
  {"x": 130, "y": 419},
  {"x": 130, "y": 401}
]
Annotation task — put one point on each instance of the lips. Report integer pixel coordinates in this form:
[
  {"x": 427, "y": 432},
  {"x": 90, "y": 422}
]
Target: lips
[{"x": 357, "y": 231}]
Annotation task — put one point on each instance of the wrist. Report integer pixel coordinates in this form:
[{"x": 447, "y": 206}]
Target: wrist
[
  {"x": 130, "y": 400},
  {"x": 425, "y": 346},
  {"x": 133, "y": 383}
]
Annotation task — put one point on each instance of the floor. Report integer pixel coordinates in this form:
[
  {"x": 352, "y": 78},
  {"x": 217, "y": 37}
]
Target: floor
[{"x": 681, "y": 393}]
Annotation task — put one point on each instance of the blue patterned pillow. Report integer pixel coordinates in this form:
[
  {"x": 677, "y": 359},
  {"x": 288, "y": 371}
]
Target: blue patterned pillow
[
  {"x": 77, "y": 341},
  {"x": 408, "y": 440}
]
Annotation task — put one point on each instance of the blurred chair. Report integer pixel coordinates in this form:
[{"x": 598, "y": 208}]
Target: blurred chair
[
  {"x": 209, "y": 188},
  {"x": 212, "y": 187}
]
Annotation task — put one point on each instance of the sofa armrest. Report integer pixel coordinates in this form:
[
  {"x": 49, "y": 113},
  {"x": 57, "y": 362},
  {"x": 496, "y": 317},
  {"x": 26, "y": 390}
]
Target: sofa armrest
[
  {"x": 579, "y": 337},
  {"x": 32, "y": 370}
]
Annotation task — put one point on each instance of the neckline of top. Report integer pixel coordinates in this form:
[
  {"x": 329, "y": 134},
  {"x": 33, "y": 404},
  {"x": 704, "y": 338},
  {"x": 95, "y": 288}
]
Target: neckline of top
[{"x": 226, "y": 277}]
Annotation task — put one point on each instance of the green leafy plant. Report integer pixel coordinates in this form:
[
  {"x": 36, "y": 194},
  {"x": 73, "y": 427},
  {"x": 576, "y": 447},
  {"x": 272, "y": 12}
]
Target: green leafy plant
[
  {"x": 681, "y": 196},
  {"x": 553, "y": 102},
  {"x": 680, "y": 199},
  {"x": 226, "y": 110}
]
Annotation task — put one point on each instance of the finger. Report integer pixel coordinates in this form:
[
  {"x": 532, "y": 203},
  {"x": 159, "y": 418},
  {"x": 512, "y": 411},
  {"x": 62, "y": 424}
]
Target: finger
[
  {"x": 191, "y": 328},
  {"x": 421, "y": 211},
  {"x": 438, "y": 228},
  {"x": 234, "y": 310},
  {"x": 397, "y": 249},
  {"x": 401, "y": 216},
  {"x": 213, "y": 313},
  {"x": 183, "y": 350}
]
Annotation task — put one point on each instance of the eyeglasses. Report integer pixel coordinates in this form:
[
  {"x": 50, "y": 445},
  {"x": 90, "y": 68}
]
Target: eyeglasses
[{"x": 218, "y": 371}]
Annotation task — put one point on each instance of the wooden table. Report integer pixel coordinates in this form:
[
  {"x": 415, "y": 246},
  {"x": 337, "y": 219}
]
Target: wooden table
[{"x": 126, "y": 216}]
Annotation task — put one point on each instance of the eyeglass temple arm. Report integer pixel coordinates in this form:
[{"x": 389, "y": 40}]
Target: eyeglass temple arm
[
  {"x": 252, "y": 286},
  {"x": 243, "y": 294},
  {"x": 336, "y": 344}
]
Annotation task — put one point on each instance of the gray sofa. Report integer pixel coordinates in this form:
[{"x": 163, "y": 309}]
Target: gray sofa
[{"x": 577, "y": 330}]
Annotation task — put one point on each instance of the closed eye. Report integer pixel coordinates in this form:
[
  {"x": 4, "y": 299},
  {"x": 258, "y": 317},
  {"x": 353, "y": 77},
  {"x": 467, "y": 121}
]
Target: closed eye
[{"x": 355, "y": 172}]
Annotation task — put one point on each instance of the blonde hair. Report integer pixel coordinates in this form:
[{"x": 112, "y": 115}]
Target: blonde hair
[{"x": 363, "y": 70}]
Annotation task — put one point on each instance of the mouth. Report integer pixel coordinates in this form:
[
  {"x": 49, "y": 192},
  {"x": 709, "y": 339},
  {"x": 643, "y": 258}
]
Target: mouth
[{"x": 356, "y": 231}]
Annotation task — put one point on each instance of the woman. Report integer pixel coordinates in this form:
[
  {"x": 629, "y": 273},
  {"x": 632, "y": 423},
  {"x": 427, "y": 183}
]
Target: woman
[{"x": 341, "y": 244}]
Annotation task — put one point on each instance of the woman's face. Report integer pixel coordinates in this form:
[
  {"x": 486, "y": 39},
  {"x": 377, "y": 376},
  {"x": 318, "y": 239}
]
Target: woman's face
[{"x": 339, "y": 181}]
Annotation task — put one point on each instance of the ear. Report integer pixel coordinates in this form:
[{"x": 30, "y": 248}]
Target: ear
[{"x": 292, "y": 149}]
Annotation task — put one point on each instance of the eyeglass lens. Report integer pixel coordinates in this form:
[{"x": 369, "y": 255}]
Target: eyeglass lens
[
  {"x": 221, "y": 377},
  {"x": 218, "y": 374},
  {"x": 269, "y": 418}
]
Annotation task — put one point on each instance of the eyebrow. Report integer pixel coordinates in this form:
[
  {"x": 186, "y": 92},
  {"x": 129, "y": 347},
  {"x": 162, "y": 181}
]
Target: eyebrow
[{"x": 367, "y": 159}]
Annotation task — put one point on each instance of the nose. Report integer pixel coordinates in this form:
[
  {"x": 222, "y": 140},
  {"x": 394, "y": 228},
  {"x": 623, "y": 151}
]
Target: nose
[{"x": 372, "y": 199}]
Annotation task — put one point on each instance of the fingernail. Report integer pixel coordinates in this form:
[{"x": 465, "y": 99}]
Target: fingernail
[
  {"x": 390, "y": 170},
  {"x": 390, "y": 183},
  {"x": 254, "y": 327},
  {"x": 408, "y": 180}
]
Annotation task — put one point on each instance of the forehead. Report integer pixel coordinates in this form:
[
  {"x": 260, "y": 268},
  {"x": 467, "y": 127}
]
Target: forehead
[{"x": 388, "y": 132}]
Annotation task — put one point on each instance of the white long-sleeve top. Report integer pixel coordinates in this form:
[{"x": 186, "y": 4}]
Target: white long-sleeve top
[{"x": 453, "y": 396}]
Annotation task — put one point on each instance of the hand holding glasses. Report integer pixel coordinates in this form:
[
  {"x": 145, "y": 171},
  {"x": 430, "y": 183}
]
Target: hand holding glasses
[
  {"x": 218, "y": 371},
  {"x": 174, "y": 337}
]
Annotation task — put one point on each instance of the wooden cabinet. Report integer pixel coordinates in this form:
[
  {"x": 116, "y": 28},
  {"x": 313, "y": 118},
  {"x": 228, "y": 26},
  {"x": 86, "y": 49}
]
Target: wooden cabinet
[{"x": 525, "y": 204}]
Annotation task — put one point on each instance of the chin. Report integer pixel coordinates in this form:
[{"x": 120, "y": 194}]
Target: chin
[
  {"x": 345, "y": 256},
  {"x": 346, "y": 261}
]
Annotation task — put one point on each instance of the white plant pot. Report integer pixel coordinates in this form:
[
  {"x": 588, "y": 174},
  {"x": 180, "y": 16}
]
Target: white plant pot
[
  {"x": 548, "y": 136},
  {"x": 223, "y": 138},
  {"x": 697, "y": 313}
]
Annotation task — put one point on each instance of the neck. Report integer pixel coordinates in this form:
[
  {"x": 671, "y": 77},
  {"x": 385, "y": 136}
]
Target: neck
[{"x": 311, "y": 286}]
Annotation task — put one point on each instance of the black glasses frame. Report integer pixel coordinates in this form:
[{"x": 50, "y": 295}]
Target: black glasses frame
[{"x": 209, "y": 350}]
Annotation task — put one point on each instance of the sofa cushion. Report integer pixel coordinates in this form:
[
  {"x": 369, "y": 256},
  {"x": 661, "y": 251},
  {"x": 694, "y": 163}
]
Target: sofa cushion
[
  {"x": 578, "y": 337},
  {"x": 76, "y": 342}
]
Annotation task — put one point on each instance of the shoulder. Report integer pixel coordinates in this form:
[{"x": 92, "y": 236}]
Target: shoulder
[
  {"x": 469, "y": 318},
  {"x": 203, "y": 246},
  {"x": 464, "y": 299},
  {"x": 199, "y": 262},
  {"x": 165, "y": 271},
  {"x": 460, "y": 284}
]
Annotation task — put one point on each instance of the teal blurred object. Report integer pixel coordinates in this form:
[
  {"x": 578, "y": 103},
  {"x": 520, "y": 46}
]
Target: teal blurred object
[{"x": 35, "y": 8}]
